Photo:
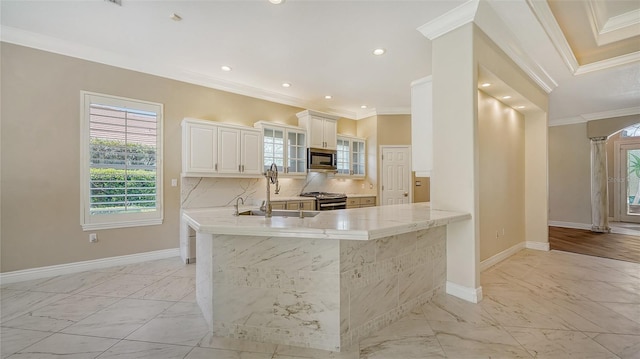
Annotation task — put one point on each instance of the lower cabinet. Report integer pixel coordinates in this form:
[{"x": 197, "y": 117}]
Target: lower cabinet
[
  {"x": 361, "y": 202},
  {"x": 307, "y": 205}
]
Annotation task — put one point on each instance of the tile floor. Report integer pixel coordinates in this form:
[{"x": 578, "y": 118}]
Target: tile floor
[{"x": 536, "y": 305}]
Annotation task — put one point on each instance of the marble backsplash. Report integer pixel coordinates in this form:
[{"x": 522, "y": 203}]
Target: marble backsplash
[{"x": 202, "y": 192}]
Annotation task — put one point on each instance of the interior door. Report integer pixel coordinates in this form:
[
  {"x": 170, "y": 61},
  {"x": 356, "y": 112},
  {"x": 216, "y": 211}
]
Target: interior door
[
  {"x": 396, "y": 175},
  {"x": 629, "y": 164}
]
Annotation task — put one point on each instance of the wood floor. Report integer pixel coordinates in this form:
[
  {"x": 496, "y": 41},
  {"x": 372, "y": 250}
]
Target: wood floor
[{"x": 607, "y": 245}]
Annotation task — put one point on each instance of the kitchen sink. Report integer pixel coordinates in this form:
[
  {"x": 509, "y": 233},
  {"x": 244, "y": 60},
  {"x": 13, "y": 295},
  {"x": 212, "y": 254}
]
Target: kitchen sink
[{"x": 280, "y": 213}]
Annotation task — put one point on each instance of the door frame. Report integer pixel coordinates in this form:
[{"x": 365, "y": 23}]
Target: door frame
[
  {"x": 620, "y": 179},
  {"x": 381, "y": 149}
]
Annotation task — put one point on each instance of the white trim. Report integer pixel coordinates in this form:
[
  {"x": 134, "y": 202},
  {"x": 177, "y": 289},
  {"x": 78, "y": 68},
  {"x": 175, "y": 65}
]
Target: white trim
[
  {"x": 67, "y": 48},
  {"x": 421, "y": 81},
  {"x": 451, "y": 20},
  {"x": 573, "y": 225},
  {"x": 630, "y": 111},
  {"x": 629, "y": 19},
  {"x": 567, "y": 121},
  {"x": 497, "y": 258},
  {"x": 123, "y": 224},
  {"x": 543, "y": 13},
  {"x": 608, "y": 63},
  {"x": 469, "y": 294},
  {"x": 393, "y": 111},
  {"x": 76, "y": 267},
  {"x": 423, "y": 173},
  {"x": 539, "y": 246}
]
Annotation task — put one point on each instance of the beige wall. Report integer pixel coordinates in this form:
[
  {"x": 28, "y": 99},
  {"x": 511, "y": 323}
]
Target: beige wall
[
  {"x": 394, "y": 130},
  {"x": 502, "y": 165},
  {"x": 609, "y": 126},
  {"x": 347, "y": 127},
  {"x": 569, "y": 174},
  {"x": 40, "y": 153},
  {"x": 421, "y": 193}
]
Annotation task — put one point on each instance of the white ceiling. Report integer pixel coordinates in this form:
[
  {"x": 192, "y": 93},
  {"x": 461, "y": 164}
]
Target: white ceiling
[{"x": 320, "y": 47}]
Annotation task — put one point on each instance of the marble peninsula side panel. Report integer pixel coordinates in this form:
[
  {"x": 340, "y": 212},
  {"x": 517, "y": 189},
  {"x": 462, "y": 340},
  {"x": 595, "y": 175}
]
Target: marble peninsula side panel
[{"x": 318, "y": 293}]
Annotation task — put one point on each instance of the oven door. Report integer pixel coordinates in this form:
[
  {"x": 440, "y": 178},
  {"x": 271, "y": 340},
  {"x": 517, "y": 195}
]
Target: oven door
[{"x": 331, "y": 204}]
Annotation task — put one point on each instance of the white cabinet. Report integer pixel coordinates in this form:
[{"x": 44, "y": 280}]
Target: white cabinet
[
  {"x": 351, "y": 156},
  {"x": 199, "y": 148},
  {"x": 286, "y": 146},
  {"x": 321, "y": 128},
  {"x": 212, "y": 149},
  {"x": 422, "y": 126}
]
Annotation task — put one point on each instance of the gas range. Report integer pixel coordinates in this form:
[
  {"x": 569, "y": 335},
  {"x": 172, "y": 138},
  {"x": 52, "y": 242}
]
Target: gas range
[{"x": 327, "y": 201}]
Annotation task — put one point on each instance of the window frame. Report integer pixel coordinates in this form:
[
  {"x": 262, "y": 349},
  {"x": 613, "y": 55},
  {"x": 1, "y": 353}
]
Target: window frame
[{"x": 122, "y": 220}]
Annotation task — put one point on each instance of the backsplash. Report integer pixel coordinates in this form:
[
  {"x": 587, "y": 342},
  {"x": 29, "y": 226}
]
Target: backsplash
[{"x": 201, "y": 192}]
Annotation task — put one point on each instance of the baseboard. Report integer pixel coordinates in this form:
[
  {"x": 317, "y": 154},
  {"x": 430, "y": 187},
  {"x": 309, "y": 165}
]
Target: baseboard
[
  {"x": 495, "y": 259},
  {"x": 69, "y": 268},
  {"x": 539, "y": 246},
  {"x": 469, "y": 294},
  {"x": 573, "y": 225}
]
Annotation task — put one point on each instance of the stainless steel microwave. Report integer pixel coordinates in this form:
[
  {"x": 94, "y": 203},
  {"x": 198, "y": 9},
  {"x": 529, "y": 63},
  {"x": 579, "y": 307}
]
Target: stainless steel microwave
[{"x": 322, "y": 160}]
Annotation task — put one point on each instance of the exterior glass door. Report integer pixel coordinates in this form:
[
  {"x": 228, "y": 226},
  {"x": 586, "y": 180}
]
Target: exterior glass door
[{"x": 630, "y": 190}]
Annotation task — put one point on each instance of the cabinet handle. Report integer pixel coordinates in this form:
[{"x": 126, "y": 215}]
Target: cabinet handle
[
  {"x": 242, "y": 168},
  {"x": 239, "y": 168},
  {"x": 216, "y": 167}
]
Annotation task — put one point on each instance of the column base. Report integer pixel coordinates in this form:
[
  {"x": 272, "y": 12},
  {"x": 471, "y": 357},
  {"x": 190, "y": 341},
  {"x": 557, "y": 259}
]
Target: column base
[{"x": 599, "y": 229}]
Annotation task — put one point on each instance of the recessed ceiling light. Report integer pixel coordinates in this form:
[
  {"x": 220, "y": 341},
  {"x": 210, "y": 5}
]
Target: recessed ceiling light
[
  {"x": 486, "y": 84},
  {"x": 506, "y": 97},
  {"x": 363, "y": 106},
  {"x": 276, "y": 2},
  {"x": 379, "y": 51},
  {"x": 225, "y": 68},
  {"x": 328, "y": 97},
  {"x": 520, "y": 107},
  {"x": 175, "y": 17},
  {"x": 286, "y": 84}
]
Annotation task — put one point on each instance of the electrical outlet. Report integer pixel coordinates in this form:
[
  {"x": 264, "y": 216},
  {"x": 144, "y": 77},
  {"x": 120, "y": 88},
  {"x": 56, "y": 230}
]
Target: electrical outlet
[{"x": 93, "y": 237}]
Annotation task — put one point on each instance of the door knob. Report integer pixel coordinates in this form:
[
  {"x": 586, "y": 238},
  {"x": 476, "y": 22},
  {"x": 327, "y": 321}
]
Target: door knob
[{"x": 406, "y": 194}]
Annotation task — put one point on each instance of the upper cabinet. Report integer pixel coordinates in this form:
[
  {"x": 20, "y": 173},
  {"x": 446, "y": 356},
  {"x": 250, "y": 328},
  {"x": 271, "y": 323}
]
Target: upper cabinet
[
  {"x": 286, "y": 146},
  {"x": 422, "y": 126},
  {"x": 215, "y": 149},
  {"x": 351, "y": 156},
  {"x": 321, "y": 128}
]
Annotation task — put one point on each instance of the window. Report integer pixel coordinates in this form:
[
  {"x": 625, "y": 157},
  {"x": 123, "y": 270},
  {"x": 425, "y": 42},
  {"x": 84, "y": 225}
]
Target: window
[
  {"x": 631, "y": 131},
  {"x": 121, "y": 162}
]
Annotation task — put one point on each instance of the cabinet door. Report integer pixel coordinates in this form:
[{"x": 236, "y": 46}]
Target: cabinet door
[
  {"x": 316, "y": 132},
  {"x": 279, "y": 205},
  {"x": 353, "y": 203},
  {"x": 343, "y": 156},
  {"x": 274, "y": 148},
  {"x": 357, "y": 158},
  {"x": 229, "y": 150},
  {"x": 251, "y": 152},
  {"x": 367, "y": 202},
  {"x": 296, "y": 152},
  {"x": 200, "y": 148},
  {"x": 330, "y": 134}
]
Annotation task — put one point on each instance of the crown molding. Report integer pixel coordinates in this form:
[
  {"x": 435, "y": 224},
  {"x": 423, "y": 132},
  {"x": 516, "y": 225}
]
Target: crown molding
[
  {"x": 393, "y": 110},
  {"x": 366, "y": 113},
  {"x": 629, "y": 19},
  {"x": 607, "y": 30},
  {"x": 451, "y": 20},
  {"x": 609, "y": 63},
  {"x": 594, "y": 116},
  {"x": 543, "y": 13},
  {"x": 54, "y": 45}
]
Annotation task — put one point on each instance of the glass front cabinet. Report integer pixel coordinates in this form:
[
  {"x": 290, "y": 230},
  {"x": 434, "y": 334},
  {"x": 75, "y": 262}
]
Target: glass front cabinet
[
  {"x": 351, "y": 156},
  {"x": 285, "y": 146}
]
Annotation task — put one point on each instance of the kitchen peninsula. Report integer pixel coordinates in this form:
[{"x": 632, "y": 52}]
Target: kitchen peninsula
[{"x": 322, "y": 282}]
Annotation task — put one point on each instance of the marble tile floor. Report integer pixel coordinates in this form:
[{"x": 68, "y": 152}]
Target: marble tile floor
[{"x": 536, "y": 305}]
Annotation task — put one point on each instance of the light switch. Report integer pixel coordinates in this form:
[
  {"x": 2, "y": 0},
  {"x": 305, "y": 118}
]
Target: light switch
[{"x": 174, "y": 182}]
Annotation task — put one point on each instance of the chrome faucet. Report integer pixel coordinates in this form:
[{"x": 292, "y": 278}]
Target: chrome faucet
[
  {"x": 272, "y": 177},
  {"x": 239, "y": 199}
]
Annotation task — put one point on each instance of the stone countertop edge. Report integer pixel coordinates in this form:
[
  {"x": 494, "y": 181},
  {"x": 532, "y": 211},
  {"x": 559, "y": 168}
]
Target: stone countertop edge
[
  {"x": 360, "y": 195},
  {"x": 325, "y": 225}
]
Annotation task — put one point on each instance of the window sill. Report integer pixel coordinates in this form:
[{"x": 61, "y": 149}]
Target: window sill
[{"x": 138, "y": 223}]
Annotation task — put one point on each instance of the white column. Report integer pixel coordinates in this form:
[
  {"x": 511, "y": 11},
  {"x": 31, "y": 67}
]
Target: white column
[{"x": 599, "y": 197}]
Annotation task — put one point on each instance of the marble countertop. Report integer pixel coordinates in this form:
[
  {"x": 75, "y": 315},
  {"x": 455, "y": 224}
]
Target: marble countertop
[
  {"x": 356, "y": 195},
  {"x": 350, "y": 224}
]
